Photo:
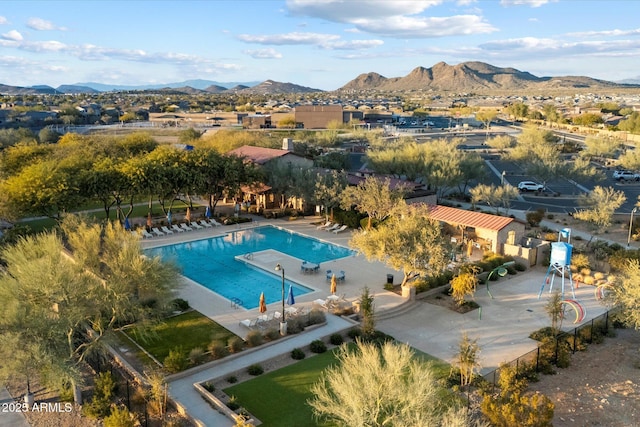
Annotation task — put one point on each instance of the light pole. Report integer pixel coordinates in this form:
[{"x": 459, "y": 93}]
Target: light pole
[
  {"x": 283, "y": 322},
  {"x": 631, "y": 225},
  {"x": 502, "y": 177}
]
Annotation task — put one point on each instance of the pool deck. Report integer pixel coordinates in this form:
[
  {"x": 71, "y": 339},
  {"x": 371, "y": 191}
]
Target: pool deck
[{"x": 358, "y": 271}]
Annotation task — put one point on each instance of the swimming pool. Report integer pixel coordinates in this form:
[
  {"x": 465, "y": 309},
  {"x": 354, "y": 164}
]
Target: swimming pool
[{"x": 211, "y": 262}]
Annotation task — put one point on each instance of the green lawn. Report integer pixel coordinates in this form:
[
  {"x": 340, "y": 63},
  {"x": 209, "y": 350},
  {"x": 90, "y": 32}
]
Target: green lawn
[
  {"x": 188, "y": 330},
  {"x": 279, "y": 398}
]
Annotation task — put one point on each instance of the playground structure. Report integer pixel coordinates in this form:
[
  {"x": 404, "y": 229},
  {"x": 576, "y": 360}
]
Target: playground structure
[{"x": 560, "y": 265}]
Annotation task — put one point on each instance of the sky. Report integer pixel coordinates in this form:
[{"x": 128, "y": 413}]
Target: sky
[{"x": 322, "y": 44}]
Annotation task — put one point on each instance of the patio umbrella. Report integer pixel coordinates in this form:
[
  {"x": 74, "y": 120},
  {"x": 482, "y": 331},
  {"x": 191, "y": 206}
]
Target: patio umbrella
[
  {"x": 263, "y": 304},
  {"x": 207, "y": 212},
  {"x": 334, "y": 284},
  {"x": 290, "y": 299},
  {"x": 187, "y": 216},
  {"x": 169, "y": 217},
  {"x": 127, "y": 224},
  {"x": 149, "y": 222}
]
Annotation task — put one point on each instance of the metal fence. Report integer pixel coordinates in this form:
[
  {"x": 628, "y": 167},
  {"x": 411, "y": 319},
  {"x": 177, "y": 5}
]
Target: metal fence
[{"x": 557, "y": 350}]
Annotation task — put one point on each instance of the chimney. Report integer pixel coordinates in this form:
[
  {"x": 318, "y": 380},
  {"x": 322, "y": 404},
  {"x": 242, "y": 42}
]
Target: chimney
[{"x": 287, "y": 144}]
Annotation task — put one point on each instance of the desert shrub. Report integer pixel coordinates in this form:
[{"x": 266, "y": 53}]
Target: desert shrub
[
  {"x": 196, "y": 356},
  {"x": 233, "y": 403},
  {"x": 100, "y": 405},
  {"x": 598, "y": 275},
  {"x": 295, "y": 325},
  {"x": 271, "y": 334},
  {"x": 254, "y": 339},
  {"x": 354, "y": 333},
  {"x": 550, "y": 216},
  {"x": 518, "y": 266},
  {"x": 255, "y": 369},
  {"x": 180, "y": 304},
  {"x": 232, "y": 379},
  {"x": 176, "y": 361},
  {"x": 235, "y": 344},
  {"x": 336, "y": 339},
  {"x": 297, "y": 354},
  {"x": 534, "y": 218},
  {"x": 318, "y": 346},
  {"x": 589, "y": 280},
  {"x": 120, "y": 417},
  {"x": 551, "y": 237},
  {"x": 316, "y": 317},
  {"x": 580, "y": 261},
  {"x": 209, "y": 386},
  {"x": 218, "y": 349}
]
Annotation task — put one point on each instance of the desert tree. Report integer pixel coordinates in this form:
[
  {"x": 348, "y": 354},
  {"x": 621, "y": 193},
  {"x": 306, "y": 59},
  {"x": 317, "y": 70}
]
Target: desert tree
[
  {"x": 409, "y": 240},
  {"x": 328, "y": 189},
  {"x": 626, "y": 293},
  {"x": 518, "y": 110},
  {"x": 467, "y": 359},
  {"x": 599, "y": 206},
  {"x": 379, "y": 386},
  {"x": 367, "y": 311},
  {"x": 465, "y": 283},
  {"x": 496, "y": 197},
  {"x": 555, "y": 311},
  {"x": 373, "y": 196}
]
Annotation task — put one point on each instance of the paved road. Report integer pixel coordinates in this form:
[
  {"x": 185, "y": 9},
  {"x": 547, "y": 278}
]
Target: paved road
[{"x": 8, "y": 416}]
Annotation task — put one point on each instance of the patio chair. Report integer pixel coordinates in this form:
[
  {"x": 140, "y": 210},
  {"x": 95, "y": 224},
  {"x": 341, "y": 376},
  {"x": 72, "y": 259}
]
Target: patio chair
[
  {"x": 249, "y": 323},
  {"x": 341, "y": 229},
  {"x": 196, "y": 225},
  {"x": 333, "y": 227},
  {"x": 329, "y": 274},
  {"x": 205, "y": 224},
  {"x": 325, "y": 225},
  {"x": 185, "y": 227},
  {"x": 157, "y": 232},
  {"x": 321, "y": 303},
  {"x": 341, "y": 276},
  {"x": 166, "y": 230}
]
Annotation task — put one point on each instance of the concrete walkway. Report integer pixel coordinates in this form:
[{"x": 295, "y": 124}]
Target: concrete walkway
[{"x": 10, "y": 418}]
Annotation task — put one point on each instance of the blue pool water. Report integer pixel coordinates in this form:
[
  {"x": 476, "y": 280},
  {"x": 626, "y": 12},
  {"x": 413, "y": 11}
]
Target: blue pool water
[{"x": 211, "y": 262}]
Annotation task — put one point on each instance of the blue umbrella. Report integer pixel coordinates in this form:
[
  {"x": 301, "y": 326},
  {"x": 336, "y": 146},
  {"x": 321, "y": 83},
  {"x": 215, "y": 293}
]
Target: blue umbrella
[
  {"x": 169, "y": 217},
  {"x": 290, "y": 299},
  {"x": 127, "y": 224},
  {"x": 207, "y": 212}
]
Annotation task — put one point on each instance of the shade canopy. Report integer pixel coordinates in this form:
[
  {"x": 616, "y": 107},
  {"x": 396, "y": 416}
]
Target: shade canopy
[{"x": 263, "y": 304}]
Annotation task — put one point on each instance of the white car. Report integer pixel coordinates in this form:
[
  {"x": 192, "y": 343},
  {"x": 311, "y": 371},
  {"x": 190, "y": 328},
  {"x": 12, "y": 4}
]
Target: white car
[
  {"x": 620, "y": 175},
  {"x": 530, "y": 186}
]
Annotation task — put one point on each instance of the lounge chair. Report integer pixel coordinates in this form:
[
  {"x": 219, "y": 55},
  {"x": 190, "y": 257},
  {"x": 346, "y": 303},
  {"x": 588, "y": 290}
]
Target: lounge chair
[
  {"x": 146, "y": 234},
  {"x": 325, "y": 225},
  {"x": 185, "y": 227},
  {"x": 157, "y": 232},
  {"x": 175, "y": 227},
  {"x": 205, "y": 224},
  {"x": 341, "y": 229},
  {"x": 166, "y": 230},
  {"x": 196, "y": 225},
  {"x": 214, "y": 223},
  {"x": 333, "y": 227},
  {"x": 322, "y": 303},
  {"x": 249, "y": 323},
  {"x": 341, "y": 276}
]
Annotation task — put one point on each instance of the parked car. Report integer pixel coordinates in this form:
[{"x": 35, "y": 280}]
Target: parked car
[
  {"x": 622, "y": 175},
  {"x": 530, "y": 186}
]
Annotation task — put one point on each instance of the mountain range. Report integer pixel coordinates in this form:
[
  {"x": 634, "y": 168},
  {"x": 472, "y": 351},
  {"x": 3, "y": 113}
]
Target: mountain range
[{"x": 464, "y": 77}]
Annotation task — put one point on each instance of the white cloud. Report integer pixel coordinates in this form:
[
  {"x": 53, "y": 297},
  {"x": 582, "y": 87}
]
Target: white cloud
[
  {"x": 43, "y": 25},
  {"x": 12, "y": 35},
  {"x": 608, "y": 33},
  {"x": 419, "y": 27},
  {"x": 551, "y": 48},
  {"x": 353, "y": 44},
  {"x": 392, "y": 18},
  {"x": 263, "y": 53},
  {"x": 3, "y": 20},
  {"x": 532, "y": 3},
  {"x": 289, "y": 38}
]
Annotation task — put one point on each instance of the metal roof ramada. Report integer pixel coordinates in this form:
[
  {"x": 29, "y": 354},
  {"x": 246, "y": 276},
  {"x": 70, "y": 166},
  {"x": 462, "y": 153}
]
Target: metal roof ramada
[{"x": 468, "y": 218}]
